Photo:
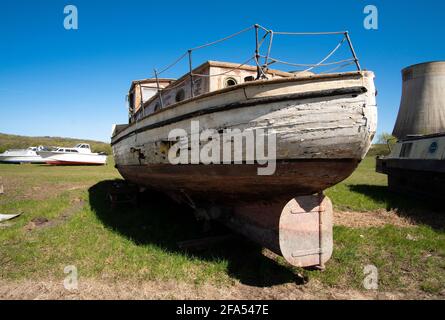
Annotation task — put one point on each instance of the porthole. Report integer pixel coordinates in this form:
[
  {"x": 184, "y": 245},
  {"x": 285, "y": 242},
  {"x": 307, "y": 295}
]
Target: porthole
[
  {"x": 229, "y": 82},
  {"x": 249, "y": 78},
  {"x": 180, "y": 95},
  {"x": 433, "y": 147}
]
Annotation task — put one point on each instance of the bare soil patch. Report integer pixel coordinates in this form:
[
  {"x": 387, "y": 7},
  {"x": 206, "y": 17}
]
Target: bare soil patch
[
  {"x": 379, "y": 218},
  {"x": 94, "y": 289},
  {"x": 41, "y": 222}
]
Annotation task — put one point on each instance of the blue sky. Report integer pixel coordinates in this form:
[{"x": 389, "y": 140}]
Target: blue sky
[{"x": 73, "y": 83}]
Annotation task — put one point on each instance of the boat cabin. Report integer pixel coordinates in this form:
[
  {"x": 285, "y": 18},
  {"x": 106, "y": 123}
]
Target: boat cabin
[
  {"x": 144, "y": 97},
  {"x": 79, "y": 148},
  {"x": 142, "y": 91}
]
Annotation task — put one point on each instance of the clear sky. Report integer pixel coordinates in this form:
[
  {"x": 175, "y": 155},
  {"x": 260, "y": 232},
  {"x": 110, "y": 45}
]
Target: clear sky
[{"x": 73, "y": 83}]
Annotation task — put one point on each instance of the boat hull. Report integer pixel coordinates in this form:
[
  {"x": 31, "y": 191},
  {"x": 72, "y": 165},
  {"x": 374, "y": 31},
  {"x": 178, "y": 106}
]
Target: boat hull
[
  {"x": 56, "y": 158},
  {"x": 334, "y": 120},
  {"x": 72, "y": 163},
  {"x": 21, "y": 159},
  {"x": 230, "y": 185}
]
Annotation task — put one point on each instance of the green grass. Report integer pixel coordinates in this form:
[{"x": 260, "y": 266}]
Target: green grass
[
  {"x": 358, "y": 192},
  {"x": 140, "y": 243},
  {"x": 366, "y": 190},
  {"x": 402, "y": 263}
]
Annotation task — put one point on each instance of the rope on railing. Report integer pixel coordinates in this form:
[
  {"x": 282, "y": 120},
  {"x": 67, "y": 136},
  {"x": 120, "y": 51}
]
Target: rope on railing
[
  {"x": 274, "y": 60},
  {"x": 310, "y": 33},
  {"x": 173, "y": 63},
  {"x": 327, "y": 57},
  {"x": 222, "y": 39},
  {"x": 339, "y": 67},
  {"x": 225, "y": 72},
  {"x": 312, "y": 66},
  {"x": 267, "y": 57},
  {"x": 268, "y": 60}
]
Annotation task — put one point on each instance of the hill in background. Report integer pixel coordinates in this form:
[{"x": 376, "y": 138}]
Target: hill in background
[{"x": 10, "y": 141}]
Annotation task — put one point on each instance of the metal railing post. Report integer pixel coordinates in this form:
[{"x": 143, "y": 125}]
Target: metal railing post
[
  {"x": 269, "y": 48},
  {"x": 142, "y": 99},
  {"x": 159, "y": 88},
  {"x": 257, "y": 53},
  {"x": 353, "y": 51},
  {"x": 191, "y": 73}
]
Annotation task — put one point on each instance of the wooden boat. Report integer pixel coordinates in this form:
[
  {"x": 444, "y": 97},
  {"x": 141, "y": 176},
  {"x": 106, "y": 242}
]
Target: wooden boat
[
  {"x": 79, "y": 155},
  {"x": 323, "y": 124}
]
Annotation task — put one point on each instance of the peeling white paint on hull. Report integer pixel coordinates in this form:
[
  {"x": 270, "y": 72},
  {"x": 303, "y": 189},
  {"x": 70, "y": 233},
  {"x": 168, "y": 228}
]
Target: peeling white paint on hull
[{"x": 331, "y": 119}]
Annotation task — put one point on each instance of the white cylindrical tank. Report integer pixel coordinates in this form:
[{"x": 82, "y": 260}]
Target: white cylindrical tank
[{"x": 422, "y": 107}]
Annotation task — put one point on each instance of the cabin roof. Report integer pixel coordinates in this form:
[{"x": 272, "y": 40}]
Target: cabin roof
[
  {"x": 151, "y": 80},
  {"x": 218, "y": 64},
  {"x": 229, "y": 65}
]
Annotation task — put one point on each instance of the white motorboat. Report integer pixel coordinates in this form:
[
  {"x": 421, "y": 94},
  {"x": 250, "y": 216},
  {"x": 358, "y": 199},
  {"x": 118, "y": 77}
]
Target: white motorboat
[
  {"x": 22, "y": 155},
  {"x": 79, "y": 155}
]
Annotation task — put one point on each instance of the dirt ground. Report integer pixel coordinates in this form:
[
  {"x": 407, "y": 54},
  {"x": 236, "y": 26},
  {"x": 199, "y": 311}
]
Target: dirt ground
[
  {"x": 368, "y": 219},
  {"x": 108, "y": 289},
  {"x": 93, "y": 289}
]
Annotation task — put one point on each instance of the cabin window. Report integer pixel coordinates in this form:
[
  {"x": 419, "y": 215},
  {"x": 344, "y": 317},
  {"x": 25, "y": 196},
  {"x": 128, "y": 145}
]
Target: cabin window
[
  {"x": 180, "y": 95},
  {"x": 406, "y": 150},
  {"x": 230, "y": 82},
  {"x": 148, "y": 92},
  {"x": 249, "y": 78}
]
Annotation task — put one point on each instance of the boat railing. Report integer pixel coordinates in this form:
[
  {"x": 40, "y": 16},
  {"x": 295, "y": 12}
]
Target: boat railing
[{"x": 267, "y": 60}]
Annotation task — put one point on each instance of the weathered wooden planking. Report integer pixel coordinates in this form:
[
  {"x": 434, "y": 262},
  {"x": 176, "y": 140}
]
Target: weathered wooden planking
[
  {"x": 229, "y": 185},
  {"x": 304, "y": 129}
]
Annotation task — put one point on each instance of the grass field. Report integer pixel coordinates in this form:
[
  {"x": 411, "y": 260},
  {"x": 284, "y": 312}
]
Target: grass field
[{"x": 66, "y": 220}]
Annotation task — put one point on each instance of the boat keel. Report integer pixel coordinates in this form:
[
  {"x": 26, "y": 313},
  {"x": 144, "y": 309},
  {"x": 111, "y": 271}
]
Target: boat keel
[{"x": 299, "y": 230}]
